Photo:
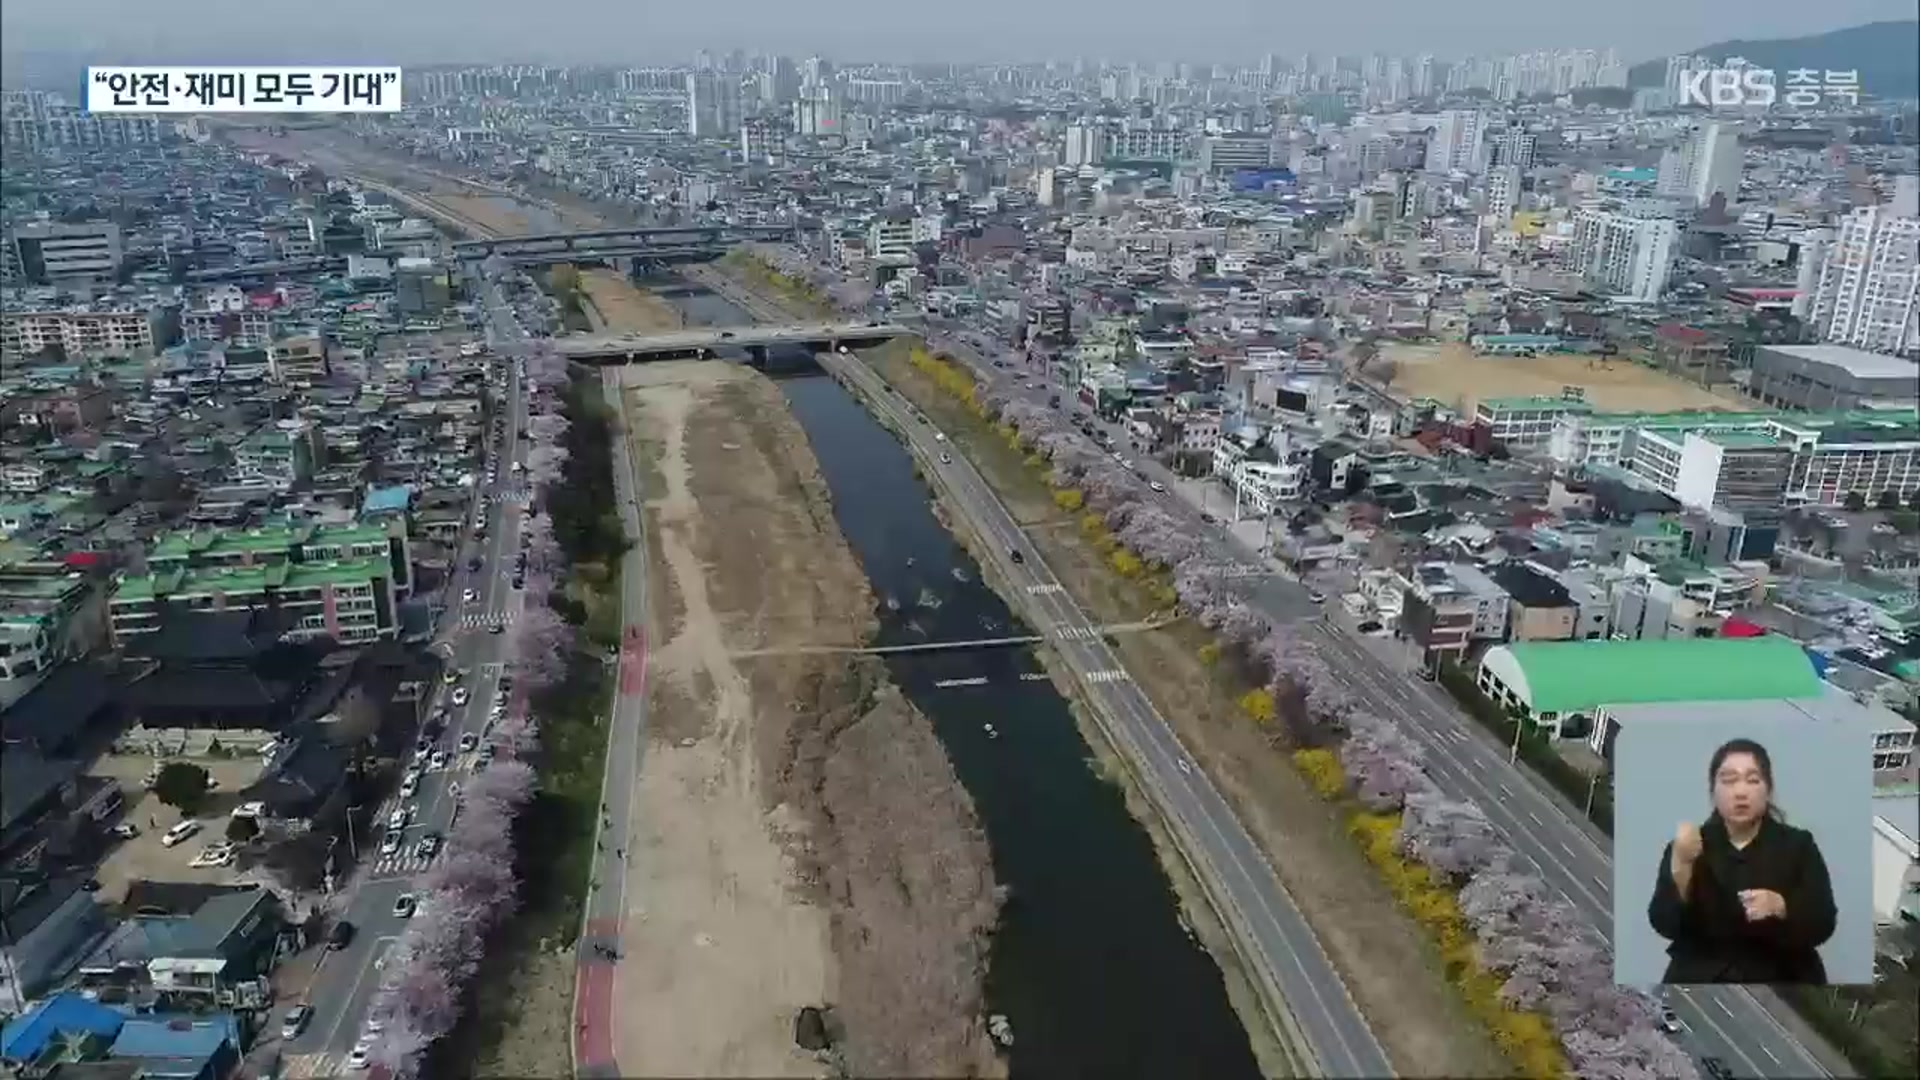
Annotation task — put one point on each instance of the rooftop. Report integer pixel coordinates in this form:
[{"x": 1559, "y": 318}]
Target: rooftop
[
  {"x": 1565, "y": 676},
  {"x": 1856, "y": 362},
  {"x": 244, "y": 579},
  {"x": 216, "y": 541}
]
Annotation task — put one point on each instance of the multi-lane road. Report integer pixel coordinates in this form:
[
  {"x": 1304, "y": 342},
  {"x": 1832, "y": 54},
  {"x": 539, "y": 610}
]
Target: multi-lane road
[
  {"x": 1749, "y": 1031},
  {"x": 594, "y": 1049},
  {"x": 347, "y": 982}
]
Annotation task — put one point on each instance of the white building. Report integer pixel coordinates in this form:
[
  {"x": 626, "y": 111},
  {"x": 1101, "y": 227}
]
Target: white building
[
  {"x": 1503, "y": 192},
  {"x": 896, "y": 233},
  {"x": 1868, "y": 294},
  {"x": 1260, "y": 488},
  {"x": 1455, "y": 144},
  {"x": 1629, "y": 252},
  {"x": 1705, "y": 164},
  {"x": 50, "y": 251},
  {"x": 1896, "y": 847},
  {"x": 1085, "y": 145}
]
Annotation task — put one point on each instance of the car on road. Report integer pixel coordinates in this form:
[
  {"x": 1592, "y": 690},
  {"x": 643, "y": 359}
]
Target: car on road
[
  {"x": 939, "y": 436},
  {"x": 1158, "y": 487},
  {"x": 496, "y": 628},
  {"x": 468, "y": 596},
  {"x": 409, "y": 786},
  {"x": 126, "y": 830},
  {"x": 474, "y": 564},
  {"x": 945, "y": 459},
  {"x": 468, "y": 742},
  {"x": 401, "y": 817},
  {"x": 438, "y": 760},
  {"x": 1716, "y": 1069},
  {"x": 1670, "y": 1021},
  {"x": 1369, "y": 626},
  {"x": 178, "y": 834},
  {"x": 390, "y": 843},
  {"x": 404, "y": 906},
  {"x": 295, "y": 1021},
  {"x": 519, "y": 581},
  {"x": 1317, "y": 596},
  {"x": 1014, "y": 554},
  {"x": 429, "y": 846},
  {"x": 460, "y": 696},
  {"x": 361, "y": 1055},
  {"x": 340, "y": 936}
]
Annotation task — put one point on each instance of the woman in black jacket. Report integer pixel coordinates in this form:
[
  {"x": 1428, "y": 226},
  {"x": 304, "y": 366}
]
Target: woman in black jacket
[{"x": 1744, "y": 898}]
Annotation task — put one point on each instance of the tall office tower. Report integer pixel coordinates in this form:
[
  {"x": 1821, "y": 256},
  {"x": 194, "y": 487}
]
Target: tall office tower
[
  {"x": 1456, "y": 141},
  {"x": 1705, "y": 164},
  {"x": 1869, "y": 291},
  {"x": 1629, "y": 252},
  {"x": 817, "y": 72},
  {"x": 713, "y": 105},
  {"x": 780, "y": 82}
]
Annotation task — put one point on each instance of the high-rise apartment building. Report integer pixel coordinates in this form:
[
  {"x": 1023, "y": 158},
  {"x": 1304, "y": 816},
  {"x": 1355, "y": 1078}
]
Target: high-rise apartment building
[
  {"x": 1705, "y": 164},
  {"x": 52, "y": 251},
  {"x": 1868, "y": 291},
  {"x": 1455, "y": 145},
  {"x": 1503, "y": 192},
  {"x": 713, "y": 105},
  {"x": 1629, "y": 252}
]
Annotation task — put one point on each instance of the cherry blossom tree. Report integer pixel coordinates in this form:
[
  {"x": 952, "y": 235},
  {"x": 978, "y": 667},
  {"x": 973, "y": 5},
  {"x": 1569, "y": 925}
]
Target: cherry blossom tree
[
  {"x": 546, "y": 463},
  {"x": 540, "y": 640},
  {"x": 1450, "y": 836},
  {"x": 1382, "y": 762}
]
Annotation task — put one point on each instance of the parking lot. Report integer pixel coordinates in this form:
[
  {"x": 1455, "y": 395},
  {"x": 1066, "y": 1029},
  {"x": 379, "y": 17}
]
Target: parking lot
[{"x": 144, "y": 856}]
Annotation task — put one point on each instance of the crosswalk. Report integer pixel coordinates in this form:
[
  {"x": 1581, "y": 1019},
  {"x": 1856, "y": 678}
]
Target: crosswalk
[
  {"x": 1077, "y": 633},
  {"x": 485, "y": 620},
  {"x": 311, "y": 1066},
  {"x": 1106, "y": 676},
  {"x": 519, "y": 496},
  {"x": 398, "y": 864},
  {"x": 1044, "y": 590}
]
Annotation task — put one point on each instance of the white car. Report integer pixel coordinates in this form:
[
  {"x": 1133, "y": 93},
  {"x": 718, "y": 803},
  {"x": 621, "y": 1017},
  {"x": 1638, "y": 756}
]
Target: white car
[
  {"x": 469, "y": 596},
  {"x": 460, "y": 696},
  {"x": 404, "y": 906},
  {"x": 401, "y": 817},
  {"x": 944, "y": 459},
  {"x": 361, "y": 1055},
  {"x": 409, "y": 787},
  {"x": 939, "y": 436},
  {"x": 179, "y": 833},
  {"x": 216, "y": 855},
  {"x": 390, "y": 843},
  {"x": 1159, "y": 487},
  {"x": 438, "y": 760}
]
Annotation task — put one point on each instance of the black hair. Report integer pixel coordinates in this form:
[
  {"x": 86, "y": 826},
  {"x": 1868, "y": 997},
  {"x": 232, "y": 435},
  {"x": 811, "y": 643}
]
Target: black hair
[{"x": 1760, "y": 757}]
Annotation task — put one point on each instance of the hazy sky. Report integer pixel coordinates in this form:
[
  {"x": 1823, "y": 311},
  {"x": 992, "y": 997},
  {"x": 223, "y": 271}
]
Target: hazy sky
[{"x": 642, "y": 31}]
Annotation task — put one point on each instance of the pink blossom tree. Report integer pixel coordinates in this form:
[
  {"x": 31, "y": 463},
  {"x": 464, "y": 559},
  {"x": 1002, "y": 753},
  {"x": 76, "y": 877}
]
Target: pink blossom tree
[{"x": 1450, "y": 836}]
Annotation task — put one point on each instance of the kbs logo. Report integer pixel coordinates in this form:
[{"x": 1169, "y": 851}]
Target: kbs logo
[
  {"x": 1728, "y": 88},
  {"x": 1751, "y": 87}
]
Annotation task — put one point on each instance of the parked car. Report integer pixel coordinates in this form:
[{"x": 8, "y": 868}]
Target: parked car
[
  {"x": 361, "y": 1055},
  {"x": 295, "y": 1021},
  {"x": 460, "y": 696},
  {"x": 429, "y": 846},
  {"x": 390, "y": 843},
  {"x": 340, "y": 936},
  {"x": 468, "y": 742},
  {"x": 404, "y": 906},
  {"x": 179, "y": 833}
]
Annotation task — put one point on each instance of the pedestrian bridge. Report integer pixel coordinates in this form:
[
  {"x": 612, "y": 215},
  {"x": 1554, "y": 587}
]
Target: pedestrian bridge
[
  {"x": 705, "y": 341},
  {"x": 1069, "y": 633}
]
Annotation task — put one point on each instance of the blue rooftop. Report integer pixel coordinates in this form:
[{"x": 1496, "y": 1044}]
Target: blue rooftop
[
  {"x": 175, "y": 1037},
  {"x": 27, "y": 1036},
  {"x": 388, "y": 500}
]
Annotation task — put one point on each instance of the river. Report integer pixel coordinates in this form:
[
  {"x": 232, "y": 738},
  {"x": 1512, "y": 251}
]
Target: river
[{"x": 1091, "y": 962}]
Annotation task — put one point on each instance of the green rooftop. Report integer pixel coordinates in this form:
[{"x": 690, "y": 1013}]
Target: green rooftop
[
  {"x": 1570, "y": 676},
  {"x": 1536, "y": 403},
  {"x": 282, "y": 577},
  {"x": 215, "y": 542}
]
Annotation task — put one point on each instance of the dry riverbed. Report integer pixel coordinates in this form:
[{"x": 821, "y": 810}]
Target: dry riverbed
[{"x": 800, "y": 838}]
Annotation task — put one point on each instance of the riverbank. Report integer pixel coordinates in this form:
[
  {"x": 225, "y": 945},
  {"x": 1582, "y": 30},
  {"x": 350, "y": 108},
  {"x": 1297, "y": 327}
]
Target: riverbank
[
  {"x": 800, "y": 838},
  {"x": 1393, "y": 971}
]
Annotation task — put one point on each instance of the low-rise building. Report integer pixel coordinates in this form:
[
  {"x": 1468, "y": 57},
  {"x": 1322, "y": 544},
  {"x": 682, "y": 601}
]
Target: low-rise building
[
  {"x": 353, "y": 602},
  {"x": 1561, "y": 686}
]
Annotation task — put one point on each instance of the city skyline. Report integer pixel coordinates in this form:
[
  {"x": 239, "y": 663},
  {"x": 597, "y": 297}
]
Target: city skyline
[{"x": 598, "y": 32}]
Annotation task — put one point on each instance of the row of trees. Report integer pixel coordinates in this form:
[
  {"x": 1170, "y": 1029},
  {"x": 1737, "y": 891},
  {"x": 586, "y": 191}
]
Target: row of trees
[
  {"x": 1550, "y": 961},
  {"x": 474, "y": 884}
]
